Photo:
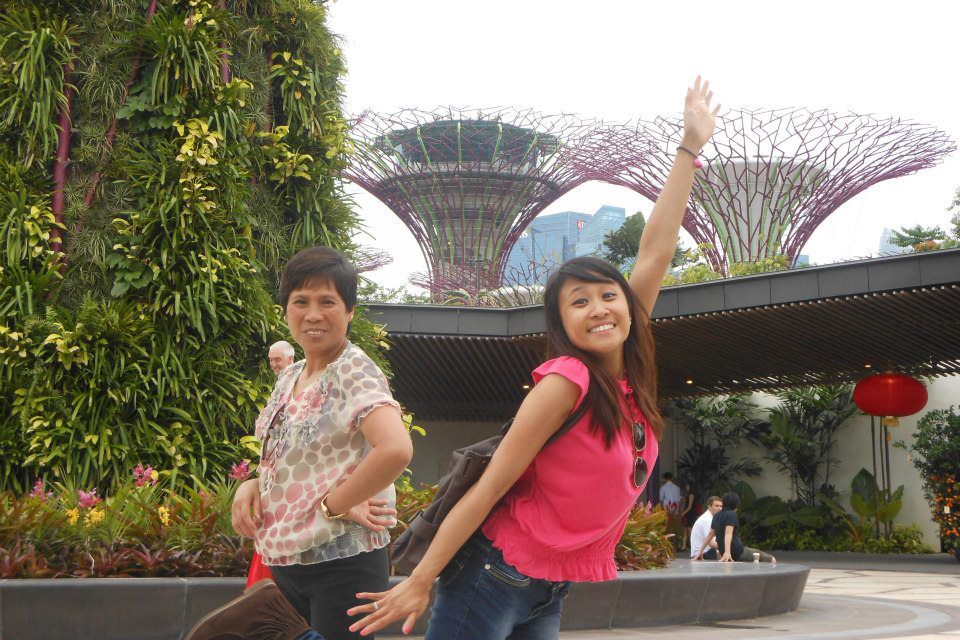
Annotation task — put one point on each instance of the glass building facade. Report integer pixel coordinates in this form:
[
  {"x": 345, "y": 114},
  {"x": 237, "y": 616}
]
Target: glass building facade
[{"x": 552, "y": 239}]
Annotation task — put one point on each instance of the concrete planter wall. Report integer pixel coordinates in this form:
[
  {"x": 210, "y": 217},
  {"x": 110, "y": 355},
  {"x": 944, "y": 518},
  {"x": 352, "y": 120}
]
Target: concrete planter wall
[{"x": 166, "y": 608}]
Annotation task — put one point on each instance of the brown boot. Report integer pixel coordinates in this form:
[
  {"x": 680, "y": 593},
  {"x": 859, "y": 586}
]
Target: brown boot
[{"x": 261, "y": 613}]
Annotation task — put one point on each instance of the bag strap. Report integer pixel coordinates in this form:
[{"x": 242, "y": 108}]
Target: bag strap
[{"x": 568, "y": 424}]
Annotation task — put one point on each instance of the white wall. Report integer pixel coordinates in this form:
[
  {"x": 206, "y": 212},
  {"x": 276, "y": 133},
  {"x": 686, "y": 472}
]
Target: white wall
[
  {"x": 432, "y": 454},
  {"x": 853, "y": 453}
]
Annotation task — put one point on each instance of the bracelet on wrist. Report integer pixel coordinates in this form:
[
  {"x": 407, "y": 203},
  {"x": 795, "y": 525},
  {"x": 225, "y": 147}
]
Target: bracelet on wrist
[
  {"x": 696, "y": 158},
  {"x": 325, "y": 510}
]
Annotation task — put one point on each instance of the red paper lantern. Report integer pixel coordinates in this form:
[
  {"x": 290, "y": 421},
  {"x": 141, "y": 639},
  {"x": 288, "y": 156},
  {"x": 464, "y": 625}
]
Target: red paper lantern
[{"x": 890, "y": 394}]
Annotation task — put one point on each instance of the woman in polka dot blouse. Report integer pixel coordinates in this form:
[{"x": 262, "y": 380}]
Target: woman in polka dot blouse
[{"x": 333, "y": 442}]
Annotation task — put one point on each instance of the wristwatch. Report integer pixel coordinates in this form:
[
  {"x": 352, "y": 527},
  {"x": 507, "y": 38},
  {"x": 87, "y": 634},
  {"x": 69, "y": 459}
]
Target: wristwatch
[{"x": 326, "y": 510}]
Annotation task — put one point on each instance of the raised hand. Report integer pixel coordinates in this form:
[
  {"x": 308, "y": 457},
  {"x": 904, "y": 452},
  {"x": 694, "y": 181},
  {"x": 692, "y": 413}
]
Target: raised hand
[{"x": 698, "y": 119}]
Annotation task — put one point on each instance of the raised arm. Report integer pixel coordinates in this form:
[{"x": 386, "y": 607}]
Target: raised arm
[{"x": 659, "y": 239}]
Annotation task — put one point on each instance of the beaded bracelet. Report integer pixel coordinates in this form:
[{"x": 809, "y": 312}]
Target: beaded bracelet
[{"x": 696, "y": 159}]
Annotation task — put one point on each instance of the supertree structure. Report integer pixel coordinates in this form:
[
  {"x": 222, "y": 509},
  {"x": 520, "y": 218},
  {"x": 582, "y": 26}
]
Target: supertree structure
[
  {"x": 466, "y": 182},
  {"x": 770, "y": 177}
]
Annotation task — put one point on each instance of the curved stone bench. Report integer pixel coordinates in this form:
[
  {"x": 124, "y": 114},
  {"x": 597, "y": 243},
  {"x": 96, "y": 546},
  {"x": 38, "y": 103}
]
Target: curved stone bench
[{"x": 166, "y": 608}]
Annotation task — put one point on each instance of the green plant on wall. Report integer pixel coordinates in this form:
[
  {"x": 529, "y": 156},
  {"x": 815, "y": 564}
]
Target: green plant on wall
[{"x": 159, "y": 163}]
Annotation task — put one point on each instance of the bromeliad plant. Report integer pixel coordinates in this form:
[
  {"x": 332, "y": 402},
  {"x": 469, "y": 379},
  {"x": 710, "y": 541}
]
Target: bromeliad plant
[
  {"x": 645, "y": 543},
  {"x": 148, "y": 528},
  {"x": 143, "y": 529}
]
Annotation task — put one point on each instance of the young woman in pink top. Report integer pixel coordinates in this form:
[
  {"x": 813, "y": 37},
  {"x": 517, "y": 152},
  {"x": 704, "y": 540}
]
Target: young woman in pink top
[{"x": 541, "y": 517}]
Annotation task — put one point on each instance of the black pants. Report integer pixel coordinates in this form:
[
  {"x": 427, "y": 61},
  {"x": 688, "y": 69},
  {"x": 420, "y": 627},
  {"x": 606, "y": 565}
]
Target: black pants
[{"x": 323, "y": 592}]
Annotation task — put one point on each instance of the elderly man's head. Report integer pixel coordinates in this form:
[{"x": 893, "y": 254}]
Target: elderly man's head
[{"x": 281, "y": 356}]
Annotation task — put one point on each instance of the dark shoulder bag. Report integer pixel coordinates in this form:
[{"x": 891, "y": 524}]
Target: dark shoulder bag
[{"x": 466, "y": 467}]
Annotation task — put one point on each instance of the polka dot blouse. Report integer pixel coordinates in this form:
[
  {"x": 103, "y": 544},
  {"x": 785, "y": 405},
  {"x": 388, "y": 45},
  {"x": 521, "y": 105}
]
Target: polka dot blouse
[{"x": 312, "y": 443}]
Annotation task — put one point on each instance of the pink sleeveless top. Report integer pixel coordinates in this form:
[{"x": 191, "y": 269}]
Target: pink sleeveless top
[{"x": 564, "y": 516}]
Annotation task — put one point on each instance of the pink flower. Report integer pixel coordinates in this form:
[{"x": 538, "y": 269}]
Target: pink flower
[
  {"x": 143, "y": 476},
  {"x": 240, "y": 472},
  {"x": 86, "y": 499},
  {"x": 38, "y": 491}
]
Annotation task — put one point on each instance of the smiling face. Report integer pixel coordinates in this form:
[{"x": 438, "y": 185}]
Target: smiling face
[
  {"x": 596, "y": 319},
  {"x": 318, "y": 320}
]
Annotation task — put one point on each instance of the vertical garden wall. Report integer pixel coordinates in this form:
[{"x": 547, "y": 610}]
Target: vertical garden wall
[{"x": 159, "y": 162}]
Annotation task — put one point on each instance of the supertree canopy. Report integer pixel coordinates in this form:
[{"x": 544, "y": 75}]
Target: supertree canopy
[
  {"x": 771, "y": 177},
  {"x": 466, "y": 183}
]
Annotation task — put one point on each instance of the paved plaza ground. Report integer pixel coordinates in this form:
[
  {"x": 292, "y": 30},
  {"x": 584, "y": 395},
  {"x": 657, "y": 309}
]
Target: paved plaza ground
[{"x": 846, "y": 597}]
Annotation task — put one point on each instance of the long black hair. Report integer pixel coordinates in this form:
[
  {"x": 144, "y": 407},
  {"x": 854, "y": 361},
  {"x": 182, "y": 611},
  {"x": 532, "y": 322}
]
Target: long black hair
[{"x": 603, "y": 396}]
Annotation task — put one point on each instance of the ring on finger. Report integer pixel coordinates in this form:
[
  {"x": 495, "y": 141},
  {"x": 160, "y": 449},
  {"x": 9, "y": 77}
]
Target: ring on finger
[{"x": 376, "y": 606}]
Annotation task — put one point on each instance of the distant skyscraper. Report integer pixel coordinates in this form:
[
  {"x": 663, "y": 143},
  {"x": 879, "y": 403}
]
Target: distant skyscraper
[
  {"x": 552, "y": 239},
  {"x": 887, "y": 247},
  {"x": 545, "y": 244},
  {"x": 605, "y": 220}
]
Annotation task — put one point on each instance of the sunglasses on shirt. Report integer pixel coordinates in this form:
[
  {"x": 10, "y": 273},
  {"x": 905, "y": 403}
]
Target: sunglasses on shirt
[
  {"x": 274, "y": 435},
  {"x": 639, "y": 464}
]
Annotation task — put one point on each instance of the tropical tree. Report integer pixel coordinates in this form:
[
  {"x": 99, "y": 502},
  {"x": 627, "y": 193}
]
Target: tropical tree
[
  {"x": 803, "y": 430},
  {"x": 621, "y": 246},
  {"x": 718, "y": 426},
  {"x": 919, "y": 238},
  {"x": 159, "y": 162}
]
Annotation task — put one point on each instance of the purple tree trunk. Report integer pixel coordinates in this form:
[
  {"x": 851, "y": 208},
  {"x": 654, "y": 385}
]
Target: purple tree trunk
[
  {"x": 112, "y": 131},
  {"x": 224, "y": 57},
  {"x": 63, "y": 158}
]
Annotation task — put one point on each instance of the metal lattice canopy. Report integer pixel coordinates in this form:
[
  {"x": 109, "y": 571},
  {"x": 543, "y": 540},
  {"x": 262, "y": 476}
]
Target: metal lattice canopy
[
  {"x": 467, "y": 182},
  {"x": 772, "y": 176}
]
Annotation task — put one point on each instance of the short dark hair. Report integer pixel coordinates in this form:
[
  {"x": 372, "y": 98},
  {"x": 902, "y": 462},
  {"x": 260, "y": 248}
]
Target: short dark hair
[
  {"x": 320, "y": 264},
  {"x": 731, "y": 501},
  {"x": 667, "y": 475}
]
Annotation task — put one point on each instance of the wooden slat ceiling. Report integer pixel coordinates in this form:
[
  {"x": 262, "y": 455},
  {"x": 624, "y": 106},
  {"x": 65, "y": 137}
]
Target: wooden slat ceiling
[{"x": 915, "y": 331}]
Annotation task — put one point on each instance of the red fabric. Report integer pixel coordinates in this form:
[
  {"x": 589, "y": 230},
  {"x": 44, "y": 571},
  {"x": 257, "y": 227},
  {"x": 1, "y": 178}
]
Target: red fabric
[{"x": 258, "y": 571}]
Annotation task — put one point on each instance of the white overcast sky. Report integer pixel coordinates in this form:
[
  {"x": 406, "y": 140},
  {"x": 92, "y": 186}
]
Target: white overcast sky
[{"x": 617, "y": 61}]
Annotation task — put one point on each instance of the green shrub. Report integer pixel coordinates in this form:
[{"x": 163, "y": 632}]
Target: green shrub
[
  {"x": 147, "y": 529},
  {"x": 936, "y": 455}
]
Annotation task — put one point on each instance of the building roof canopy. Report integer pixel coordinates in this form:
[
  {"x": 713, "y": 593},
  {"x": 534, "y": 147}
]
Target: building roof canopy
[{"x": 806, "y": 326}]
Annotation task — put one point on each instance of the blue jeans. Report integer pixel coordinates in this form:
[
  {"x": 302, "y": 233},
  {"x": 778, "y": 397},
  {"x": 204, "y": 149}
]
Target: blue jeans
[
  {"x": 481, "y": 597},
  {"x": 311, "y": 635}
]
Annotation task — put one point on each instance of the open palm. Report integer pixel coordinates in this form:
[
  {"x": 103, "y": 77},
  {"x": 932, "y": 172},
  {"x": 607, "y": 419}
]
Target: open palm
[{"x": 699, "y": 120}]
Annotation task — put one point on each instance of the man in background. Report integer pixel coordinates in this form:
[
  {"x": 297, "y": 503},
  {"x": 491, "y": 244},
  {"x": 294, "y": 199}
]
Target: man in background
[
  {"x": 670, "y": 494},
  {"x": 281, "y": 356},
  {"x": 701, "y": 531},
  {"x": 726, "y": 531}
]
